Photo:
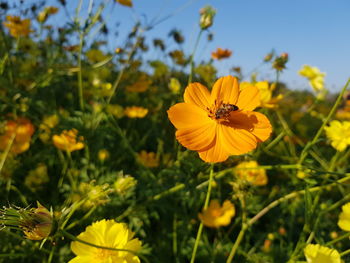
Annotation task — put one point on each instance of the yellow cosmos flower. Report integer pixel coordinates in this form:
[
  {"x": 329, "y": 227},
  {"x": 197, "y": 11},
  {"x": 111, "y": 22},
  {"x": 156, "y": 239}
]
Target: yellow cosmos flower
[
  {"x": 67, "y": 141},
  {"x": 148, "y": 159},
  {"x": 125, "y": 2},
  {"x": 17, "y": 26},
  {"x": 45, "y": 127},
  {"x": 44, "y": 15},
  {"x": 135, "y": 112},
  {"x": 344, "y": 218},
  {"x": 106, "y": 233},
  {"x": 216, "y": 215},
  {"x": 339, "y": 134},
  {"x": 314, "y": 75},
  {"x": 248, "y": 171},
  {"x": 18, "y": 133},
  {"x": 222, "y": 123},
  {"x": 221, "y": 53},
  {"x": 321, "y": 254},
  {"x": 103, "y": 155},
  {"x": 266, "y": 91},
  {"x": 123, "y": 184},
  {"x": 174, "y": 85}
]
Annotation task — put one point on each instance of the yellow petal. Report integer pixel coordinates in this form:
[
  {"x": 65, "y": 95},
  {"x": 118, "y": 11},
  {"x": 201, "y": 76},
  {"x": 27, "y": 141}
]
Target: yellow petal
[
  {"x": 217, "y": 153},
  {"x": 249, "y": 98},
  {"x": 237, "y": 141},
  {"x": 197, "y": 94},
  {"x": 197, "y": 138},
  {"x": 186, "y": 115},
  {"x": 226, "y": 90}
]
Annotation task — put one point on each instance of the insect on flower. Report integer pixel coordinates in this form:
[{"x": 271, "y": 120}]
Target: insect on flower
[{"x": 223, "y": 110}]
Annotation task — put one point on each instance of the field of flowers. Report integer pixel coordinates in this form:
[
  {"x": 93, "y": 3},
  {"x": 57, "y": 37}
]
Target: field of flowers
[{"x": 109, "y": 157}]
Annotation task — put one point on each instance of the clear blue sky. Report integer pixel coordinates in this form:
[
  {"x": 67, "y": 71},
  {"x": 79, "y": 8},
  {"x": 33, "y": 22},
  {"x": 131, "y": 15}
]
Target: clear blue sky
[{"x": 314, "y": 32}]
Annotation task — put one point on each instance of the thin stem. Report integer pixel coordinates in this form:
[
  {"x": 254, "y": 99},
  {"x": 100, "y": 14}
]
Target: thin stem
[
  {"x": 243, "y": 229},
  {"x": 192, "y": 56},
  {"x": 80, "y": 72},
  {"x": 346, "y": 235},
  {"x": 200, "y": 228}
]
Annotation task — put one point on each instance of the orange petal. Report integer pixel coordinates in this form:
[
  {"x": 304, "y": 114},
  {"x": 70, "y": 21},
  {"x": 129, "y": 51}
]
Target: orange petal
[
  {"x": 186, "y": 115},
  {"x": 262, "y": 129},
  {"x": 197, "y": 138},
  {"x": 254, "y": 122},
  {"x": 217, "y": 153},
  {"x": 249, "y": 98},
  {"x": 197, "y": 94},
  {"x": 237, "y": 141},
  {"x": 225, "y": 89}
]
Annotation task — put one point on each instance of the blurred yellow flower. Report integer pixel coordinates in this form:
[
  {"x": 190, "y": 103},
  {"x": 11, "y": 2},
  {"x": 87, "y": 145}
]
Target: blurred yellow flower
[
  {"x": 339, "y": 134},
  {"x": 43, "y": 15},
  {"x": 107, "y": 233},
  {"x": 17, "y": 26},
  {"x": 45, "y": 127},
  {"x": 103, "y": 155},
  {"x": 314, "y": 75},
  {"x": 344, "y": 218},
  {"x": 95, "y": 55},
  {"x": 221, "y": 53},
  {"x": 37, "y": 177},
  {"x": 320, "y": 254},
  {"x": 174, "y": 85},
  {"x": 266, "y": 91},
  {"x": 216, "y": 215},
  {"x": 250, "y": 172},
  {"x": 17, "y": 134},
  {"x": 148, "y": 159},
  {"x": 125, "y": 2},
  {"x": 67, "y": 141},
  {"x": 135, "y": 112},
  {"x": 124, "y": 184}
]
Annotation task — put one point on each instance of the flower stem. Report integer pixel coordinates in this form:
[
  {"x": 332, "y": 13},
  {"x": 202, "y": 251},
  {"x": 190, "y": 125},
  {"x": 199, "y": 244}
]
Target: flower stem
[
  {"x": 192, "y": 56},
  {"x": 80, "y": 73},
  {"x": 200, "y": 228}
]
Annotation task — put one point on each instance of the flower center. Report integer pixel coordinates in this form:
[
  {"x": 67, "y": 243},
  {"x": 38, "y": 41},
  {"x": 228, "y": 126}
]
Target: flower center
[{"x": 221, "y": 110}]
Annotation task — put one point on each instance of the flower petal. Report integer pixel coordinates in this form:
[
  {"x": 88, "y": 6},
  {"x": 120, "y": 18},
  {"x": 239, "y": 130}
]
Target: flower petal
[
  {"x": 225, "y": 89},
  {"x": 197, "y": 138},
  {"x": 254, "y": 122},
  {"x": 237, "y": 141},
  {"x": 249, "y": 98},
  {"x": 216, "y": 153},
  {"x": 186, "y": 115},
  {"x": 197, "y": 94}
]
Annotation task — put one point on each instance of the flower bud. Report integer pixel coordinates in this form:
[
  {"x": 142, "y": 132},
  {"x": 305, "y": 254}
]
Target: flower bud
[{"x": 207, "y": 17}]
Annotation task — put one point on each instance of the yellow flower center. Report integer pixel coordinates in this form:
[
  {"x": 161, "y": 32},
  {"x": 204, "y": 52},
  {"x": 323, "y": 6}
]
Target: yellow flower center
[{"x": 103, "y": 254}]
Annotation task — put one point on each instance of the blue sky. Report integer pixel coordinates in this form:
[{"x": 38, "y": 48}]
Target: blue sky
[{"x": 314, "y": 32}]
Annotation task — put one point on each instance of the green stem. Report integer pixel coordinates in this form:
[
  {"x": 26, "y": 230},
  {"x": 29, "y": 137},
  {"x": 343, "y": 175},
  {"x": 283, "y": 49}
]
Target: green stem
[
  {"x": 306, "y": 149},
  {"x": 199, "y": 232},
  {"x": 7, "y": 150},
  {"x": 80, "y": 72},
  {"x": 337, "y": 239},
  {"x": 243, "y": 229},
  {"x": 192, "y": 56}
]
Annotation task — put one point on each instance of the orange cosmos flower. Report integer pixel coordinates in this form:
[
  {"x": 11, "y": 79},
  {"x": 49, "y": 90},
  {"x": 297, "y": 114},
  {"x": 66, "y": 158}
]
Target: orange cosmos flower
[
  {"x": 18, "y": 133},
  {"x": 221, "y": 54},
  {"x": 18, "y": 27},
  {"x": 67, "y": 141},
  {"x": 216, "y": 215},
  {"x": 222, "y": 123}
]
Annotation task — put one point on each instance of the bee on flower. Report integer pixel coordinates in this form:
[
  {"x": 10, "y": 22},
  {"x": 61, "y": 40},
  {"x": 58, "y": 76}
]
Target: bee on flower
[{"x": 220, "y": 123}]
